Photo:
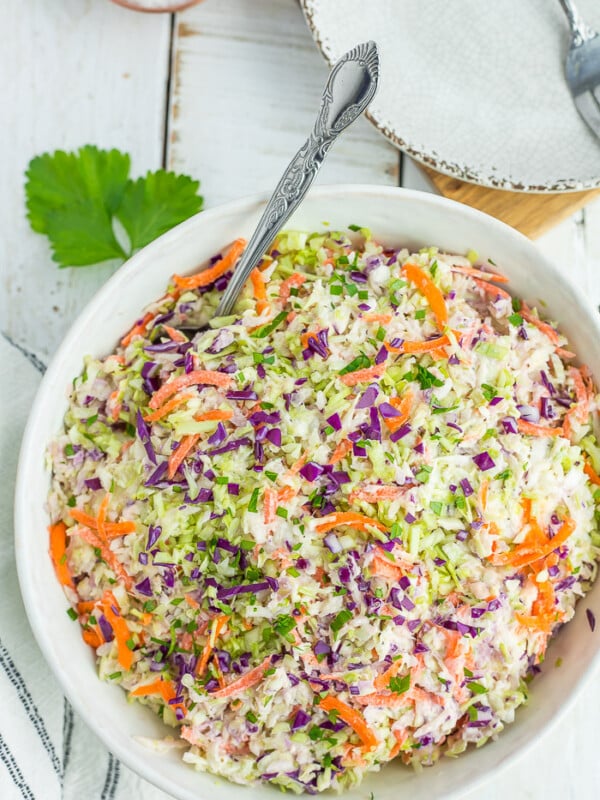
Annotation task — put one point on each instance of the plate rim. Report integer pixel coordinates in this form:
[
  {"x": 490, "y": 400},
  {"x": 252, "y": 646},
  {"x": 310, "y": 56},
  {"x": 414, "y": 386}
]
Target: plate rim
[{"x": 428, "y": 158}]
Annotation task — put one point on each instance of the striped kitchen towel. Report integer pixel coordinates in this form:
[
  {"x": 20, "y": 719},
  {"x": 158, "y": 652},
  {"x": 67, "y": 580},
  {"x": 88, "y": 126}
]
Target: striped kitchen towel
[{"x": 46, "y": 751}]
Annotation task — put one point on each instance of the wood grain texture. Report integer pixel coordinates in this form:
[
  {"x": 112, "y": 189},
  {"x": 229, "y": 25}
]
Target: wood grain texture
[
  {"x": 532, "y": 214},
  {"x": 247, "y": 80},
  {"x": 82, "y": 71}
]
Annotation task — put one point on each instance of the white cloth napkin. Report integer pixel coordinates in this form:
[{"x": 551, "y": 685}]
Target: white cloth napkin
[{"x": 46, "y": 751}]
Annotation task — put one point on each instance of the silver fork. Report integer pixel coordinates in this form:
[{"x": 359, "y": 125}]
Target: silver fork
[{"x": 582, "y": 67}]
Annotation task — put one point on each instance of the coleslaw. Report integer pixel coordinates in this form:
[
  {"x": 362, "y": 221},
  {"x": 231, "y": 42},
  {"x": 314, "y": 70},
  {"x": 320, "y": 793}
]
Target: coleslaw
[{"x": 338, "y": 527}]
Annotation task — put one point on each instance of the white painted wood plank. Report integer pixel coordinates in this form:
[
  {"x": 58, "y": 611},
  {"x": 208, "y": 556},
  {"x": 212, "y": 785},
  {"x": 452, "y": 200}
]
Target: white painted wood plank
[
  {"x": 413, "y": 177},
  {"x": 81, "y": 71},
  {"x": 246, "y": 87}
]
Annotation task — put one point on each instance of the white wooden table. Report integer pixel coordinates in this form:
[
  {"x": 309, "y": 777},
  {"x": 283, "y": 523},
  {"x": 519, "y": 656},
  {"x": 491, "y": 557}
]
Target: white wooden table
[{"x": 225, "y": 92}]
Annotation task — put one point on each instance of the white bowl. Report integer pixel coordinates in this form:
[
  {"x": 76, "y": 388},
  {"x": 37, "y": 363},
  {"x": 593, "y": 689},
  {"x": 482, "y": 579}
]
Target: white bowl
[{"x": 396, "y": 217}]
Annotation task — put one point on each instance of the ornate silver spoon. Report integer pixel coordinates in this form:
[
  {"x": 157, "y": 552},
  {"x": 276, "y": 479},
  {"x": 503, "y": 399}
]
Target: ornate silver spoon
[{"x": 349, "y": 90}]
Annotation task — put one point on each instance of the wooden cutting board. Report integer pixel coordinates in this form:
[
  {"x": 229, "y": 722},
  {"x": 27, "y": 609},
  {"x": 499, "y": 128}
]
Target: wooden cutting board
[{"x": 532, "y": 214}]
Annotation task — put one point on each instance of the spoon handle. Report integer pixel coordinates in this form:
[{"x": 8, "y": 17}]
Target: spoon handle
[
  {"x": 349, "y": 90},
  {"x": 580, "y": 32}
]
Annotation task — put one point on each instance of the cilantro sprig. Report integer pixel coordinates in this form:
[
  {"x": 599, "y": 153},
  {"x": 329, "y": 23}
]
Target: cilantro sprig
[{"x": 92, "y": 211}]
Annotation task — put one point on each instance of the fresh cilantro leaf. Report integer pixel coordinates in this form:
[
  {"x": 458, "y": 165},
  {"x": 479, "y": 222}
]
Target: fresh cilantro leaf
[
  {"x": 399, "y": 685},
  {"x": 60, "y": 180},
  {"x": 488, "y": 391},
  {"x": 76, "y": 198},
  {"x": 156, "y": 203},
  {"x": 341, "y": 618},
  {"x": 81, "y": 235},
  {"x": 476, "y": 688},
  {"x": 284, "y": 624},
  {"x": 426, "y": 378},
  {"x": 360, "y": 362}
]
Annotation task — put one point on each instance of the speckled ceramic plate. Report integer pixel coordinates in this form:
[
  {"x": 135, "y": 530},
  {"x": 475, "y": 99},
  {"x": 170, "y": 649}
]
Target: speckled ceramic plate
[{"x": 473, "y": 89}]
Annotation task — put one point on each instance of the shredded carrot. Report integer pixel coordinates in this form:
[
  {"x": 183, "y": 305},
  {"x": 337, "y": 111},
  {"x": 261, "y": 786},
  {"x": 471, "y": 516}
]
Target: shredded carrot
[
  {"x": 384, "y": 568},
  {"x": 489, "y": 288},
  {"x": 373, "y": 492},
  {"x": 120, "y": 629},
  {"x": 286, "y": 494},
  {"x": 92, "y": 537},
  {"x": 472, "y": 272},
  {"x": 58, "y": 553},
  {"x": 383, "y": 319},
  {"x": 116, "y": 407},
  {"x": 219, "y": 414},
  {"x": 351, "y": 518},
  {"x": 401, "y": 737},
  {"x": 297, "y": 465},
  {"x": 429, "y": 290},
  {"x": 403, "y": 405},
  {"x": 531, "y": 550},
  {"x": 192, "y": 603},
  {"x": 542, "y": 326},
  {"x": 544, "y": 614},
  {"x": 245, "y": 682},
  {"x": 582, "y": 409},
  {"x": 174, "y": 334},
  {"x": 362, "y": 375},
  {"x": 101, "y": 518},
  {"x": 219, "y": 674},
  {"x": 198, "y": 376},
  {"x": 453, "y": 642},
  {"x": 483, "y": 493},
  {"x": 294, "y": 281},
  {"x": 139, "y": 329},
  {"x": 531, "y": 429},
  {"x": 562, "y": 353},
  {"x": 260, "y": 290},
  {"x": 112, "y": 529},
  {"x": 92, "y": 637},
  {"x": 591, "y": 473},
  {"x": 418, "y": 695},
  {"x": 341, "y": 451},
  {"x": 382, "y": 699},
  {"x": 171, "y": 404},
  {"x": 382, "y": 680},
  {"x": 166, "y": 689},
  {"x": 185, "y": 446},
  {"x": 208, "y": 276},
  {"x": 216, "y": 627},
  {"x": 429, "y": 346},
  {"x": 124, "y": 448},
  {"x": 85, "y": 606},
  {"x": 351, "y": 717},
  {"x": 159, "y": 686},
  {"x": 270, "y": 505}
]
